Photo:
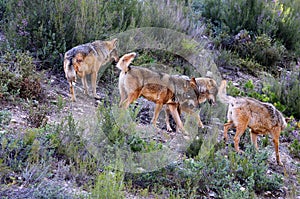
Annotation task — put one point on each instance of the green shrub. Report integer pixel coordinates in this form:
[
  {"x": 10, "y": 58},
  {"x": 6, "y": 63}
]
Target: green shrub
[
  {"x": 110, "y": 183},
  {"x": 237, "y": 191},
  {"x": 273, "y": 18},
  {"x": 14, "y": 151},
  {"x": 51, "y": 189},
  {"x": 2, "y": 8},
  {"x": 138, "y": 144},
  {"x": 229, "y": 175},
  {"x": 109, "y": 126},
  {"x": 284, "y": 91},
  {"x": 264, "y": 52},
  {"x": 49, "y": 28},
  {"x": 37, "y": 115},
  {"x": 18, "y": 76},
  {"x": 234, "y": 91},
  {"x": 5, "y": 117},
  {"x": 264, "y": 34},
  {"x": 250, "y": 66},
  {"x": 247, "y": 170},
  {"x": 295, "y": 148}
]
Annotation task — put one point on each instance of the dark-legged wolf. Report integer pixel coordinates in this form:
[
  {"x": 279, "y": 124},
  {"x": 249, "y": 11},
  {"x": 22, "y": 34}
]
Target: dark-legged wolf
[
  {"x": 261, "y": 118},
  {"x": 87, "y": 59}
]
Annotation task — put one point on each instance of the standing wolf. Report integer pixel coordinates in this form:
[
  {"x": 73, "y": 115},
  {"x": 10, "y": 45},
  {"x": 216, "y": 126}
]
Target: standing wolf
[
  {"x": 160, "y": 88},
  {"x": 208, "y": 91},
  {"x": 87, "y": 59},
  {"x": 261, "y": 118}
]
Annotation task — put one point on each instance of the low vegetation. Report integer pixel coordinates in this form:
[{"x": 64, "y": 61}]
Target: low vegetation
[{"x": 40, "y": 158}]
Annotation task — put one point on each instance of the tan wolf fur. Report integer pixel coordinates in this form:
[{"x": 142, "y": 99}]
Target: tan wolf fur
[
  {"x": 261, "y": 118},
  {"x": 208, "y": 90},
  {"x": 159, "y": 88},
  {"x": 87, "y": 59}
]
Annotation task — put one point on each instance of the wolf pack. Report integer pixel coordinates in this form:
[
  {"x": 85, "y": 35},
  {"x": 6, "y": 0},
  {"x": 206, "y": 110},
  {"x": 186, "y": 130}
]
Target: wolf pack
[{"x": 176, "y": 93}]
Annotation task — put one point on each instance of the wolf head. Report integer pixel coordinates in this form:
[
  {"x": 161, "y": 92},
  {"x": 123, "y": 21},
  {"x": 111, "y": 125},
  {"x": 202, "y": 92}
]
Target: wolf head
[
  {"x": 208, "y": 90},
  {"x": 112, "y": 46},
  {"x": 125, "y": 61}
]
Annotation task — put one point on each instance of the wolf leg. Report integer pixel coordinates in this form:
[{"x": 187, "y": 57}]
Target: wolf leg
[
  {"x": 276, "y": 145},
  {"x": 122, "y": 95},
  {"x": 72, "y": 92},
  {"x": 227, "y": 126},
  {"x": 194, "y": 114},
  {"x": 84, "y": 83},
  {"x": 157, "y": 110},
  {"x": 253, "y": 136},
  {"x": 94, "y": 79},
  {"x": 176, "y": 116},
  {"x": 167, "y": 118},
  {"x": 240, "y": 129},
  {"x": 131, "y": 97}
]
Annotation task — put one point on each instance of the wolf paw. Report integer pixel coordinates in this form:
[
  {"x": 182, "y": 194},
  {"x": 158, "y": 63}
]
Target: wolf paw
[
  {"x": 169, "y": 129},
  {"x": 97, "y": 97},
  {"x": 280, "y": 163},
  {"x": 240, "y": 151},
  {"x": 186, "y": 137},
  {"x": 201, "y": 125},
  {"x": 73, "y": 98}
]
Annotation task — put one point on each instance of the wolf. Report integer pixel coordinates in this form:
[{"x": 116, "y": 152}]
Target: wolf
[
  {"x": 87, "y": 59},
  {"x": 208, "y": 90},
  {"x": 157, "y": 87},
  {"x": 261, "y": 118}
]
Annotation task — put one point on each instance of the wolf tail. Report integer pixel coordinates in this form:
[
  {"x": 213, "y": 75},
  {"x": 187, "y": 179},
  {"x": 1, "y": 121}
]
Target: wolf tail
[
  {"x": 70, "y": 71},
  {"x": 222, "y": 93}
]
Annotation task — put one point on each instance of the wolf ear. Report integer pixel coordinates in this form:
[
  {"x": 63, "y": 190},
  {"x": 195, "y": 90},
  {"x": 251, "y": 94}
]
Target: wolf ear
[
  {"x": 129, "y": 58},
  {"x": 115, "y": 42},
  {"x": 287, "y": 119},
  {"x": 193, "y": 82}
]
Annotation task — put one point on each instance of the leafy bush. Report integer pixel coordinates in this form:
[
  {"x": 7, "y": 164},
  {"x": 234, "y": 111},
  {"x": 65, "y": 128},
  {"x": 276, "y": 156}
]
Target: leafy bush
[
  {"x": 2, "y": 8},
  {"x": 227, "y": 175},
  {"x": 37, "y": 116},
  {"x": 5, "y": 117},
  {"x": 19, "y": 154},
  {"x": 295, "y": 148},
  {"x": 261, "y": 33},
  {"x": 49, "y": 28},
  {"x": 18, "y": 77},
  {"x": 110, "y": 183},
  {"x": 266, "y": 51},
  {"x": 234, "y": 171},
  {"x": 262, "y": 52},
  {"x": 273, "y": 18},
  {"x": 283, "y": 92}
]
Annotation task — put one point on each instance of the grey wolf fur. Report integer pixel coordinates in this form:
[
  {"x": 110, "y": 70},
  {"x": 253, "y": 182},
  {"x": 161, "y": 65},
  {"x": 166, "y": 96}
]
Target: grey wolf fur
[
  {"x": 158, "y": 87},
  {"x": 208, "y": 92},
  {"x": 261, "y": 118},
  {"x": 87, "y": 59}
]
